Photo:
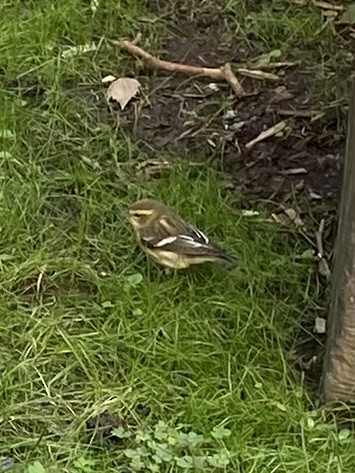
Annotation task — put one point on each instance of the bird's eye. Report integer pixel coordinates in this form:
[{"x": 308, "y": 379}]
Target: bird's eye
[{"x": 136, "y": 215}]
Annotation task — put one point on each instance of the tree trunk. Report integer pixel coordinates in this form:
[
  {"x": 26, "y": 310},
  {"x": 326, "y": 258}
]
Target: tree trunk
[{"x": 338, "y": 382}]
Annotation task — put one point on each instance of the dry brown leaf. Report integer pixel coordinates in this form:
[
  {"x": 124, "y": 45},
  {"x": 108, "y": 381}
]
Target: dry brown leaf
[
  {"x": 281, "y": 94},
  {"x": 319, "y": 325},
  {"x": 314, "y": 195},
  {"x": 72, "y": 51},
  {"x": 327, "y": 6},
  {"x": 123, "y": 90},
  {"x": 267, "y": 134},
  {"x": 294, "y": 171},
  {"x": 107, "y": 79},
  {"x": 293, "y": 215},
  {"x": 250, "y": 213},
  {"x": 256, "y": 74},
  {"x": 299, "y": 2}
]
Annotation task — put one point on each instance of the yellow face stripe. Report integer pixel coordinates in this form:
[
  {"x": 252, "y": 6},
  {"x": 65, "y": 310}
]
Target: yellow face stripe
[{"x": 141, "y": 212}]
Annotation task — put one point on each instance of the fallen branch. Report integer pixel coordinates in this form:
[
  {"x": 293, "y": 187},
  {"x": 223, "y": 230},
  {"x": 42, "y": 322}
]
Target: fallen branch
[
  {"x": 221, "y": 73},
  {"x": 328, "y": 6}
]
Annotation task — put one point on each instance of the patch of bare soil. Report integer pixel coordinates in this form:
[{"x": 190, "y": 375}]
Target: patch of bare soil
[{"x": 196, "y": 118}]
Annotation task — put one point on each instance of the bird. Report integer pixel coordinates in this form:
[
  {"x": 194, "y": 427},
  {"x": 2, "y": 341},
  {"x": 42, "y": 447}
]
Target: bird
[{"x": 169, "y": 240}]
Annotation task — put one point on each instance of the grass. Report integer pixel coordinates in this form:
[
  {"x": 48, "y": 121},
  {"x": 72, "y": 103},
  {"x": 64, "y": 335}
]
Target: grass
[
  {"x": 89, "y": 326},
  {"x": 298, "y": 32}
]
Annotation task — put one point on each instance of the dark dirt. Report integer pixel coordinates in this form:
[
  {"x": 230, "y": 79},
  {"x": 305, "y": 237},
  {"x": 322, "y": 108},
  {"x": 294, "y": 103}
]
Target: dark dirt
[
  {"x": 99, "y": 428},
  {"x": 307, "y": 160},
  {"x": 186, "y": 118}
]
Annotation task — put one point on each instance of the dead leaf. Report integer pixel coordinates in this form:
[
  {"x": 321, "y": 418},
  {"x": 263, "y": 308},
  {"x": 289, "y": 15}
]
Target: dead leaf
[
  {"x": 213, "y": 86},
  {"x": 299, "y": 2},
  {"x": 281, "y": 94},
  {"x": 314, "y": 195},
  {"x": 256, "y": 74},
  {"x": 230, "y": 115},
  {"x": 267, "y": 134},
  {"x": 211, "y": 143},
  {"x": 250, "y": 213},
  {"x": 152, "y": 166},
  {"x": 107, "y": 79},
  {"x": 327, "y": 6},
  {"x": 237, "y": 126},
  {"x": 123, "y": 90},
  {"x": 319, "y": 325},
  {"x": 293, "y": 171},
  {"x": 293, "y": 215},
  {"x": 80, "y": 49}
]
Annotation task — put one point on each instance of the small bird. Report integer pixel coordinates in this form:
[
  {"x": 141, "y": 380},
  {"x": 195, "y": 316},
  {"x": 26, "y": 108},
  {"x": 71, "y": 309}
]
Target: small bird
[{"x": 169, "y": 239}]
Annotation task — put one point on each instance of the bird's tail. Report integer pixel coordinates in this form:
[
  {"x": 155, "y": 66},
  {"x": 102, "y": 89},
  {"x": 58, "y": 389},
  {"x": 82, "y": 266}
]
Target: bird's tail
[
  {"x": 219, "y": 255},
  {"x": 226, "y": 258}
]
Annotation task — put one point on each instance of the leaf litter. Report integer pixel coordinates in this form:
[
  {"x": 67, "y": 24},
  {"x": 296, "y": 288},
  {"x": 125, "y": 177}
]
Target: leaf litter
[
  {"x": 123, "y": 90},
  {"x": 72, "y": 51}
]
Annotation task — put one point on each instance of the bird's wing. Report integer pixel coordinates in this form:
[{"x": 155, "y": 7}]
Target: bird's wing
[
  {"x": 182, "y": 244},
  {"x": 193, "y": 244},
  {"x": 182, "y": 238}
]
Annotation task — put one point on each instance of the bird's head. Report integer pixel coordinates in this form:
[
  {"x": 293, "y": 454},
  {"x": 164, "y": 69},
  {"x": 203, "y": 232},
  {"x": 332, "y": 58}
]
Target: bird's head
[{"x": 143, "y": 212}]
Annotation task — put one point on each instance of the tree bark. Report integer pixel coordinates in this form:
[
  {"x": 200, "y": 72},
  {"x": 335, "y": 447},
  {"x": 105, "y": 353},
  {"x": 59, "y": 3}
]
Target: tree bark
[{"x": 338, "y": 383}]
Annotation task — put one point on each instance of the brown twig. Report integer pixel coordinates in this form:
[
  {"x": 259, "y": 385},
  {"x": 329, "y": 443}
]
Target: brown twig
[
  {"x": 323, "y": 267},
  {"x": 222, "y": 73},
  {"x": 277, "y": 65},
  {"x": 230, "y": 77},
  {"x": 319, "y": 239},
  {"x": 256, "y": 74}
]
